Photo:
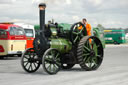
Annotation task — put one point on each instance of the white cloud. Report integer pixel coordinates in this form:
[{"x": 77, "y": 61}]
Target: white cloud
[
  {"x": 68, "y": 2},
  {"x": 95, "y": 2},
  {"x": 109, "y": 13},
  {"x": 35, "y": 1},
  {"x": 54, "y": 2},
  {"x": 76, "y": 18},
  {"x": 13, "y": 0}
]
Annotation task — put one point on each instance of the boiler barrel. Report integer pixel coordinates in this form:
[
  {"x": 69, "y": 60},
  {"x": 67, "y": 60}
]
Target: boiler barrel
[{"x": 61, "y": 44}]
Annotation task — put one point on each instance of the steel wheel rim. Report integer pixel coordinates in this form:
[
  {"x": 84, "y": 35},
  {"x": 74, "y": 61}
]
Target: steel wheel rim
[
  {"x": 30, "y": 61},
  {"x": 76, "y": 33},
  {"x": 92, "y": 60},
  {"x": 51, "y": 61}
]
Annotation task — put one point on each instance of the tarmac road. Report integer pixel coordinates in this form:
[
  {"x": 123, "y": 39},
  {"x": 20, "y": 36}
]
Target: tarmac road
[{"x": 113, "y": 71}]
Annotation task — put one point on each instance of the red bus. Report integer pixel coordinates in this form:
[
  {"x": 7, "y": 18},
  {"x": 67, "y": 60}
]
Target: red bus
[
  {"x": 12, "y": 40},
  {"x": 30, "y": 33}
]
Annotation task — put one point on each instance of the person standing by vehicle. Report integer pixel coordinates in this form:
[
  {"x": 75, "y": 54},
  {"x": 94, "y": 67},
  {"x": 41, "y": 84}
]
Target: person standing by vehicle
[{"x": 88, "y": 26}]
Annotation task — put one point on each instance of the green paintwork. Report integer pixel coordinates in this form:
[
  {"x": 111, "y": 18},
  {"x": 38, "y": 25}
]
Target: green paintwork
[
  {"x": 100, "y": 34},
  {"x": 63, "y": 45},
  {"x": 53, "y": 31},
  {"x": 90, "y": 61},
  {"x": 65, "y": 26},
  {"x": 112, "y": 36},
  {"x": 36, "y": 27}
]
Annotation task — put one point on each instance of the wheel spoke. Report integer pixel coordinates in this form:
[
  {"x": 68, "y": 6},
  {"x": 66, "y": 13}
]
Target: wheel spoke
[
  {"x": 34, "y": 65},
  {"x": 74, "y": 27},
  {"x": 58, "y": 59},
  {"x": 49, "y": 67},
  {"x": 58, "y": 64},
  {"x": 90, "y": 46},
  {"x": 76, "y": 39},
  {"x": 85, "y": 59},
  {"x": 94, "y": 60},
  {"x": 82, "y": 35},
  {"x": 26, "y": 64},
  {"x": 46, "y": 63},
  {"x": 33, "y": 55},
  {"x": 99, "y": 56},
  {"x": 26, "y": 57},
  {"x": 54, "y": 67},
  {"x": 29, "y": 67},
  {"x": 79, "y": 38},
  {"x": 92, "y": 43},
  {"x": 86, "y": 49},
  {"x": 94, "y": 47},
  {"x": 86, "y": 54},
  {"x": 81, "y": 30},
  {"x": 48, "y": 59},
  {"x": 90, "y": 62},
  {"x": 57, "y": 55},
  {"x": 52, "y": 53},
  {"x": 75, "y": 33},
  {"x": 25, "y": 61},
  {"x": 29, "y": 54}
]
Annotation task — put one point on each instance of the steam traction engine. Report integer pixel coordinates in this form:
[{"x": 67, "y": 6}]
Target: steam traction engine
[{"x": 61, "y": 46}]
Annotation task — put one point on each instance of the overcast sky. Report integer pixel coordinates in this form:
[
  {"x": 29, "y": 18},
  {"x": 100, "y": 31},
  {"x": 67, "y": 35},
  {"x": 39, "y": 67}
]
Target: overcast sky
[{"x": 109, "y": 13}]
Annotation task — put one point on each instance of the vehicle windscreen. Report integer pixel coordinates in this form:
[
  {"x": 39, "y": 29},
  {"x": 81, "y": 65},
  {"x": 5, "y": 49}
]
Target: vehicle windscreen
[
  {"x": 16, "y": 31},
  {"x": 3, "y": 34},
  {"x": 114, "y": 32},
  {"x": 29, "y": 32}
]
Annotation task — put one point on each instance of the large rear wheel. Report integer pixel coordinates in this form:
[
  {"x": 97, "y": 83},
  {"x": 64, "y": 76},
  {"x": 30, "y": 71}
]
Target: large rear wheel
[{"x": 90, "y": 53}]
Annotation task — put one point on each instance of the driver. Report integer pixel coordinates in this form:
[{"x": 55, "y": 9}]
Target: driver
[{"x": 88, "y": 26}]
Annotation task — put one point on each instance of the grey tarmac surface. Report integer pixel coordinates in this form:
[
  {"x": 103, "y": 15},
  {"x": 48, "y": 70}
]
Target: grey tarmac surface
[{"x": 113, "y": 71}]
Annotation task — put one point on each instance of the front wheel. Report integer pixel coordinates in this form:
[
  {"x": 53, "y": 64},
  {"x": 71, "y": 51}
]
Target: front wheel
[
  {"x": 30, "y": 61},
  {"x": 51, "y": 61}
]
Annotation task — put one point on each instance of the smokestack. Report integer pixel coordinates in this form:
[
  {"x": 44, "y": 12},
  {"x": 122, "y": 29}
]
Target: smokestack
[
  {"x": 44, "y": 44},
  {"x": 42, "y": 7}
]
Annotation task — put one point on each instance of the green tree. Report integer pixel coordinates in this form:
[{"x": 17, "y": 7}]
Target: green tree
[{"x": 100, "y": 27}]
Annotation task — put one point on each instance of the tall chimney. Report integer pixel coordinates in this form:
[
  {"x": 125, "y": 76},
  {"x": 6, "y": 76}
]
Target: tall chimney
[
  {"x": 42, "y": 7},
  {"x": 43, "y": 40}
]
